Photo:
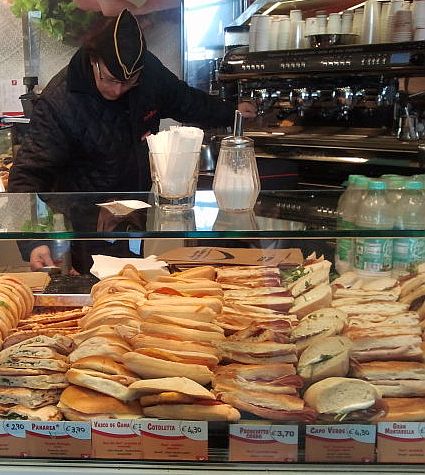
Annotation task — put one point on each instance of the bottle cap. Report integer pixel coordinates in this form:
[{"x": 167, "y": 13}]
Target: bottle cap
[
  {"x": 352, "y": 179},
  {"x": 414, "y": 185},
  {"x": 361, "y": 181},
  {"x": 376, "y": 185},
  {"x": 395, "y": 182}
]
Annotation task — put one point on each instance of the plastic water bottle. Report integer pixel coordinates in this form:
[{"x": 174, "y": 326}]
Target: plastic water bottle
[
  {"x": 410, "y": 214},
  {"x": 395, "y": 187},
  {"x": 373, "y": 257},
  {"x": 347, "y": 213},
  {"x": 60, "y": 249}
]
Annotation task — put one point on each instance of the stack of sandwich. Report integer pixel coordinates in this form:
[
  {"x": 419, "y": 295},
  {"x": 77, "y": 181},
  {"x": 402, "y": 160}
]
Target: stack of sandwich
[
  {"x": 176, "y": 336},
  {"x": 116, "y": 301},
  {"x": 32, "y": 376},
  {"x": 47, "y": 324},
  {"x": 99, "y": 378},
  {"x": 386, "y": 335},
  {"x": 16, "y": 302},
  {"x": 253, "y": 294},
  {"x": 269, "y": 391}
]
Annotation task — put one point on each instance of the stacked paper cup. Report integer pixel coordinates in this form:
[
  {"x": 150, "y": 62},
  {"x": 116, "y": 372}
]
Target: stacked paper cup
[
  {"x": 347, "y": 22},
  {"x": 334, "y": 24},
  {"x": 385, "y": 22},
  {"x": 371, "y": 22},
  {"x": 253, "y": 32},
  {"x": 322, "y": 23},
  {"x": 358, "y": 24},
  {"x": 311, "y": 27},
  {"x": 401, "y": 26},
  {"x": 419, "y": 20},
  {"x": 274, "y": 32},
  {"x": 284, "y": 32},
  {"x": 262, "y": 33}
]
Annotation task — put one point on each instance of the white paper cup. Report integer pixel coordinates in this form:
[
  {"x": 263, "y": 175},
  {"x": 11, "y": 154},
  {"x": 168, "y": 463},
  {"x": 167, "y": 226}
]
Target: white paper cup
[
  {"x": 262, "y": 33},
  {"x": 296, "y": 15},
  {"x": 284, "y": 30},
  {"x": 174, "y": 179},
  {"x": 322, "y": 24},
  {"x": 419, "y": 34},
  {"x": 334, "y": 24},
  {"x": 274, "y": 32},
  {"x": 371, "y": 22},
  {"x": 311, "y": 27},
  {"x": 298, "y": 35}
]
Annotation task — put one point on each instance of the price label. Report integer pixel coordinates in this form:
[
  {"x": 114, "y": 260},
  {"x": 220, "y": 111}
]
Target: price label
[
  {"x": 13, "y": 441},
  {"x": 174, "y": 440},
  {"x": 194, "y": 430},
  {"x": 340, "y": 443},
  {"x": 78, "y": 430},
  {"x": 59, "y": 439},
  {"x": 401, "y": 442},
  {"x": 15, "y": 428},
  {"x": 263, "y": 443},
  {"x": 117, "y": 439}
]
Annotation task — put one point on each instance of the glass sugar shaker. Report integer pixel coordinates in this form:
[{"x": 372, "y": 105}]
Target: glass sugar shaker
[{"x": 236, "y": 181}]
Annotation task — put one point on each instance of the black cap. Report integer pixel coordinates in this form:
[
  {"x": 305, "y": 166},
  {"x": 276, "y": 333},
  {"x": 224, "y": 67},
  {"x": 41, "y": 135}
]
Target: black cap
[{"x": 123, "y": 46}]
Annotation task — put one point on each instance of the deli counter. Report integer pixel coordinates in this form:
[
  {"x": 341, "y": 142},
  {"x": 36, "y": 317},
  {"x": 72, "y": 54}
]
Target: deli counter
[{"x": 232, "y": 303}]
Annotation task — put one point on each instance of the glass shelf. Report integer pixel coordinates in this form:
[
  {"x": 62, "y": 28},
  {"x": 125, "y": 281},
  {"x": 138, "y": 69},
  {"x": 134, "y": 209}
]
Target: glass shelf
[{"x": 277, "y": 215}]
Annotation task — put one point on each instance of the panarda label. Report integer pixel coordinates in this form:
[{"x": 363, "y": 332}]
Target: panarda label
[
  {"x": 59, "y": 439},
  {"x": 13, "y": 441},
  {"x": 401, "y": 442},
  {"x": 263, "y": 443},
  {"x": 116, "y": 439},
  {"x": 340, "y": 443},
  {"x": 174, "y": 440}
]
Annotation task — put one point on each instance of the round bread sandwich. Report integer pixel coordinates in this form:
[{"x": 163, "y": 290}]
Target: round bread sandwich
[
  {"x": 317, "y": 325},
  {"x": 336, "y": 399},
  {"x": 329, "y": 356},
  {"x": 82, "y": 404}
]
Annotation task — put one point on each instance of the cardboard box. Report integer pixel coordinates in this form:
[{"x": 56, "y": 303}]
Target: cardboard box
[{"x": 230, "y": 256}]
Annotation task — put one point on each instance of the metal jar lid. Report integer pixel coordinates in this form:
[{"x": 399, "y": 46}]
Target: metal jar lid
[{"x": 237, "y": 142}]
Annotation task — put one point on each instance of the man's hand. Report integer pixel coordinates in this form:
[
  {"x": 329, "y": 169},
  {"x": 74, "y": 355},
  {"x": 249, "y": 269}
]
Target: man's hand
[
  {"x": 248, "y": 110},
  {"x": 40, "y": 257}
]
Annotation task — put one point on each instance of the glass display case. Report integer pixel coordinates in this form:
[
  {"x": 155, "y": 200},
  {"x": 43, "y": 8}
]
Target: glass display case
[{"x": 280, "y": 232}]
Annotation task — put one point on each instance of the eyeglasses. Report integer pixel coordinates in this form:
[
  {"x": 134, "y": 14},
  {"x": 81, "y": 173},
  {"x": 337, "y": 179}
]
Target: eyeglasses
[{"x": 133, "y": 82}]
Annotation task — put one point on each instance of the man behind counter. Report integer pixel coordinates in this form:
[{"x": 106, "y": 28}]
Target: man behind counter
[{"x": 88, "y": 129}]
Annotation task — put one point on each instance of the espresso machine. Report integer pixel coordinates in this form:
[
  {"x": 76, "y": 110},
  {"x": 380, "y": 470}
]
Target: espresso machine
[{"x": 336, "y": 110}]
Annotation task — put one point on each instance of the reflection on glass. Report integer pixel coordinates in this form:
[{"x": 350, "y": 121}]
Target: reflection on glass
[
  {"x": 182, "y": 221},
  {"x": 242, "y": 221}
]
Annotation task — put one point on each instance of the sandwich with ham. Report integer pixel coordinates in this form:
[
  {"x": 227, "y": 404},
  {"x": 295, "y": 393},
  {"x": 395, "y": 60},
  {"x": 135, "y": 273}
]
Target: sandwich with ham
[
  {"x": 181, "y": 398},
  {"x": 262, "y": 352},
  {"x": 278, "y": 378},
  {"x": 238, "y": 277},
  {"x": 337, "y": 399},
  {"x": 393, "y": 378},
  {"x": 185, "y": 287},
  {"x": 281, "y": 407}
]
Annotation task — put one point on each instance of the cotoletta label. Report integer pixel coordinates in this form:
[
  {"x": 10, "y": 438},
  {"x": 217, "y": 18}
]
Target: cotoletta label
[
  {"x": 174, "y": 440},
  {"x": 401, "y": 442},
  {"x": 59, "y": 439},
  {"x": 13, "y": 442},
  {"x": 263, "y": 443},
  {"x": 340, "y": 443},
  {"x": 116, "y": 438}
]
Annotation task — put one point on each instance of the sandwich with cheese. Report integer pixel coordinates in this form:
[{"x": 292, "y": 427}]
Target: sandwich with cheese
[{"x": 345, "y": 399}]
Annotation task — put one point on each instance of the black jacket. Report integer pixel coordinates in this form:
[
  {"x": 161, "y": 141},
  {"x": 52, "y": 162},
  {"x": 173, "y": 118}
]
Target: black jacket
[{"x": 79, "y": 141}]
